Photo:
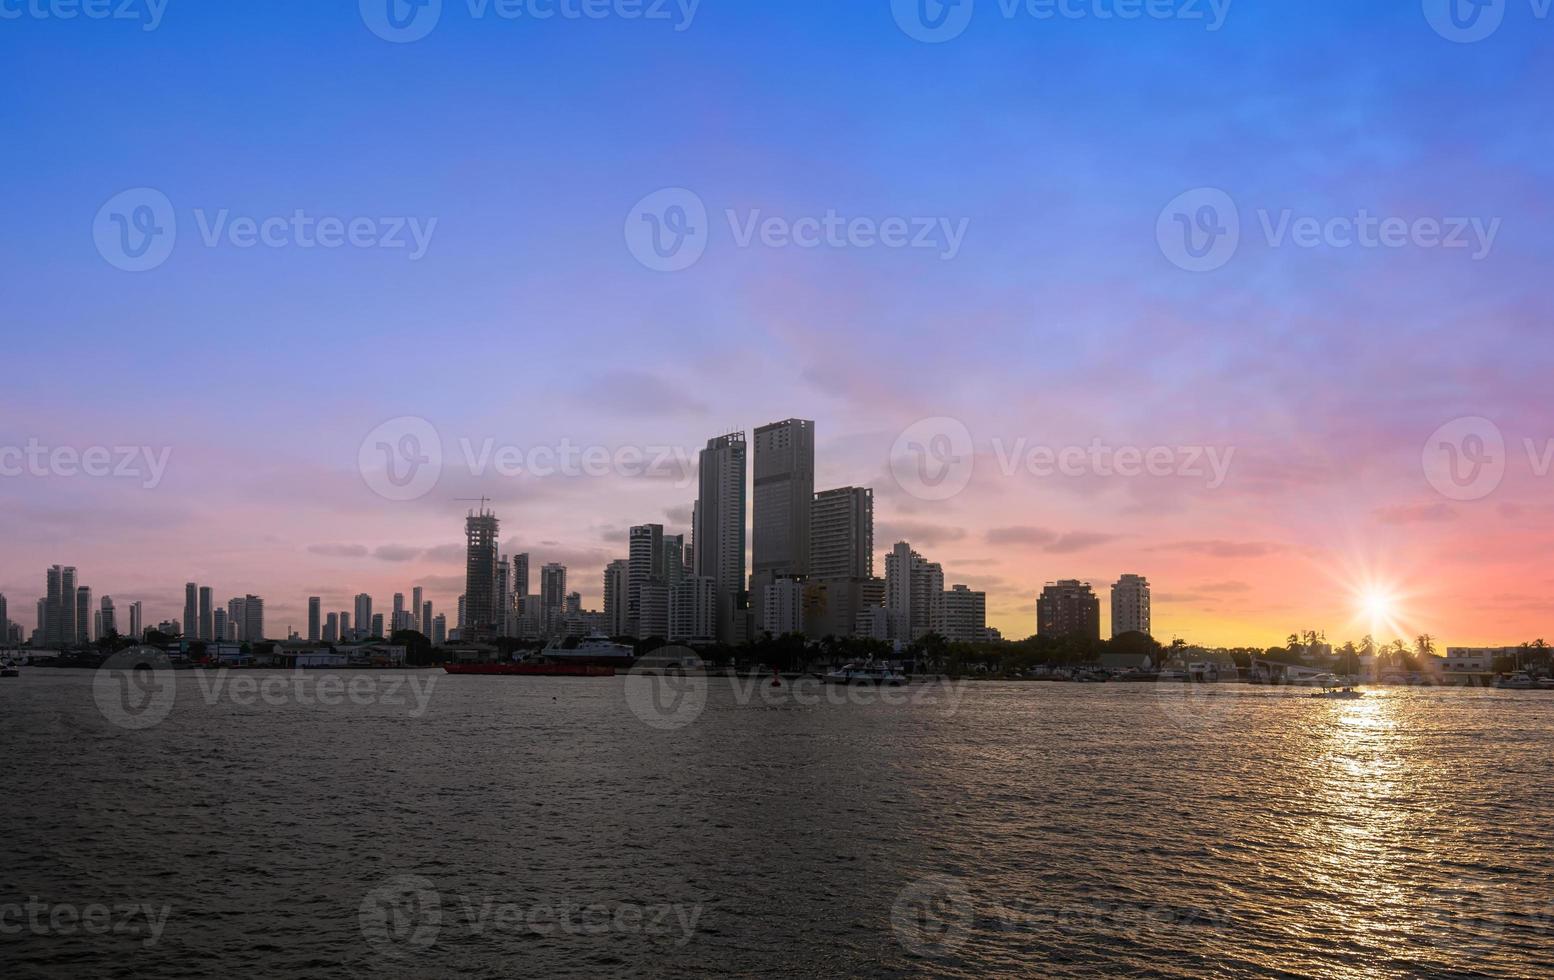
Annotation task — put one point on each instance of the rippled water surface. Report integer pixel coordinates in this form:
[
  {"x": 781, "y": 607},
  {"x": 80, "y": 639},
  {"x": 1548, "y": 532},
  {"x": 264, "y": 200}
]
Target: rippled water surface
[{"x": 541, "y": 827}]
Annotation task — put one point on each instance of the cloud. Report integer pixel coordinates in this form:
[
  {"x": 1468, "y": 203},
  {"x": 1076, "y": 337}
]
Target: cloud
[
  {"x": 1047, "y": 540},
  {"x": 1436, "y": 513},
  {"x": 1225, "y": 549},
  {"x": 396, "y": 552},
  {"x": 916, "y": 533},
  {"x": 638, "y": 394},
  {"x": 339, "y": 550},
  {"x": 679, "y": 515}
]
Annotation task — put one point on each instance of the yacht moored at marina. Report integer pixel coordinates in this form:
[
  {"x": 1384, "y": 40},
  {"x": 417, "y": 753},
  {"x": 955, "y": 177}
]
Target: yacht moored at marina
[
  {"x": 596, "y": 650},
  {"x": 1519, "y": 681}
]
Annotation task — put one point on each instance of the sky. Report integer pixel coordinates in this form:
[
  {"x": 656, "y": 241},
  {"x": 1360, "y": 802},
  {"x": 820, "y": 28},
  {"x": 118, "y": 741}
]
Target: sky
[{"x": 1292, "y": 254}]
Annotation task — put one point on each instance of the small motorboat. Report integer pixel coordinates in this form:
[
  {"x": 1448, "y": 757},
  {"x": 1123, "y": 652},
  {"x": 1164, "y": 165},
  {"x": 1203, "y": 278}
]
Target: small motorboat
[
  {"x": 9, "y": 669},
  {"x": 1331, "y": 692},
  {"x": 866, "y": 673},
  {"x": 1520, "y": 681}
]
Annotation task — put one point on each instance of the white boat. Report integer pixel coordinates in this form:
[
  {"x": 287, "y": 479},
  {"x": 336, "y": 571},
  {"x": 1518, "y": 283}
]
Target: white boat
[
  {"x": 1519, "y": 681},
  {"x": 672, "y": 660},
  {"x": 867, "y": 673},
  {"x": 1341, "y": 694},
  {"x": 9, "y": 670},
  {"x": 595, "y": 650}
]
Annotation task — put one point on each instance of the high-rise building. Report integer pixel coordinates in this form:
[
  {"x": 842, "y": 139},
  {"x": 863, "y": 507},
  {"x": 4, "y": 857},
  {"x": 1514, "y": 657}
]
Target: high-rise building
[
  {"x": 718, "y": 525},
  {"x": 646, "y": 565},
  {"x": 553, "y": 598},
  {"x": 914, "y": 587},
  {"x": 363, "y": 617},
  {"x": 439, "y": 630},
  {"x": 1068, "y": 608},
  {"x": 109, "y": 625},
  {"x": 482, "y": 617},
  {"x": 332, "y": 628},
  {"x": 61, "y": 614},
  {"x": 207, "y": 620},
  {"x": 426, "y": 617},
  {"x": 675, "y": 567},
  {"x": 416, "y": 599},
  {"x": 137, "y": 621},
  {"x": 377, "y": 626},
  {"x": 520, "y": 581},
  {"x": 962, "y": 615},
  {"x": 397, "y": 621},
  {"x": 191, "y": 611},
  {"x": 1130, "y": 605},
  {"x": 784, "y": 497},
  {"x": 5, "y": 618},
  {"x": 693, "y": 610},
  {"x": 783, "y": 607},
  {"x": 617, "y": 585},
  {"x": 653, "y": 609},
  {"x": 39, "y": 635},
  {"x": 345, "y": 625},
  {"x": 315, "y": 611},
  {"x": 253, "y": 619},
  {"x": 222, "y": 626},
  {"x": 84, "y": 616},
  {"x": 842, "y": 534}
]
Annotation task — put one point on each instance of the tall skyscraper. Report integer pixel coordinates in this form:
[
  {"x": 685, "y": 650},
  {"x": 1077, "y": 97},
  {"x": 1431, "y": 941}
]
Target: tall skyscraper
[
  {"x": 426, "y": 617},
  {"x": 914, "y": 587},
  {"x": 520, "y": 582},
  {"x": 617, "y": 586},
  {"x": 5, "y": 618},
  {"x": 397, "y": 621},
  {"x": 235, "y": 615},
  {"x": 83, "y": 615},
  {"x": 65, "y": 613},
  {"x": 191, "y": 611},
  {"x": 110, "y": 620},
  {"x": 784, "y": 497},
  {"x": 222, "y": 626},
  {"x": 137, "y": 621},
  {"x": 482, "y": 617},
  {"x": 439, "y": 630},
  {"x": 207, "y": 622},
  {"x": 315, "y": 612},
  {"x": 345, "y": 625},
  {"x": 693, "y": 610},
  {"x": 1068, "y": 608},
  {"x": 377, "y": 626},
  {"x": 842, "y": 534},
  {"x": 1130, "y": 605},
  {"x": 332, "y": 628},
  {"x": 363, "y": 616},
  {"x": 415, "y": 611},
  {"x": 718, "y": 527},
  {"x": 553, "y": 597},
  {"x": 253, "y": 619},
  {"x": 646, "y": 565}
]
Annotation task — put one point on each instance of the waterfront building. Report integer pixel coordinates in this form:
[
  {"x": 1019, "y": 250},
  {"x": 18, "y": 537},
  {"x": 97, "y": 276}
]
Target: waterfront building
[
  {"x": 914, "y": 587},
  {"x": 783, "y": 611},
  {"x": 653, "y": 609},
  {"x": 553, "y": 598},
  {"x": 108, "y": 624},
  {"x": 221, "y": 626},
  {"x": 784, "y": 493},
  {"x": 842, "y": 534},
  {"x": 416, "y": 600},
  {"x": 439, "y": 630},
  {"x": 646, "y": 564},
  {"x": 207, "y": 614},
  {"x": 482, "y": 617},
  {"x": 718, "y": 526},
  {"x": 426, "y": 617},
  {"x": 693, "y": 610},
  {"x": 315, "y": 611},
  {"x": 137, "y": 621},
  {"x": 363, "y": 615},
  {"x": 1130, "y": 605},
  {"x": 377, "y": 626},
  {"x": 617, "y": 585},
  {"x": 1068, "y": 608},
  {"x": 520, "y": 579},
  {"x": 84, "y": 616},
  {"x": 332, "y": 628},
  {"x": 191, "y": 610},
  {"x": 962, "y": 615}
]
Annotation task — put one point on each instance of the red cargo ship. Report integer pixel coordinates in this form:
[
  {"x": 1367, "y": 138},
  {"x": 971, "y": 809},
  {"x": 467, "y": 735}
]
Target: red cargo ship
[{"x": 531, "y": 670}]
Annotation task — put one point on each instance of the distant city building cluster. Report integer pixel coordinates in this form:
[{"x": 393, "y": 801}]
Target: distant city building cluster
[
  {"x": 812, "y": 574},
  {"x": 811, "y": 554}
]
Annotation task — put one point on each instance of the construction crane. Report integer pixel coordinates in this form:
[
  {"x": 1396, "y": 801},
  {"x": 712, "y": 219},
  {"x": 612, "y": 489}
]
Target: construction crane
[{"x": 470, "y": 500}]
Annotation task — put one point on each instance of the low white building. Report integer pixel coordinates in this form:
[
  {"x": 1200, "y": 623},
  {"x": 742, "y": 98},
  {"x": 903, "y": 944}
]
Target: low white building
[{"x": 1476, "y": 659}]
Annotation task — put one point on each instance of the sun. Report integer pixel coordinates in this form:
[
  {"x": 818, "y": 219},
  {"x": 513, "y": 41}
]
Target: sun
[{"x": 1377, "y": 606}]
